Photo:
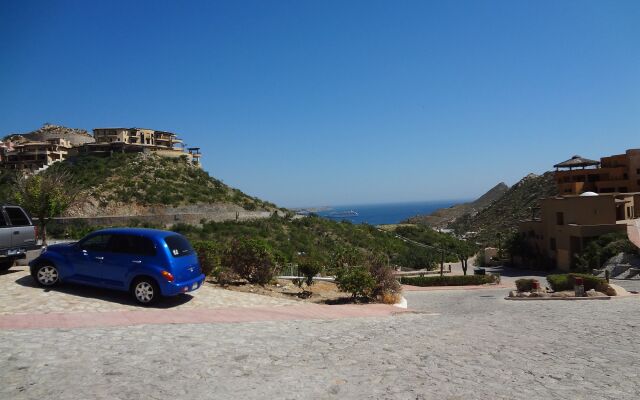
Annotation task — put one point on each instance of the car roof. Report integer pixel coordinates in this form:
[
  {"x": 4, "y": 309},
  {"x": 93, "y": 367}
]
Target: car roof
[{"x": 137, "y": 231}]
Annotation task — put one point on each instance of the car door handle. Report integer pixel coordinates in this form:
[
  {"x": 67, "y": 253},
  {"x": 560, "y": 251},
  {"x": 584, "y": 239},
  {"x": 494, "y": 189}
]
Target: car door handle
[
  {"x": 16, "y": 232},
  {"x": 100, "y": 258},
  {"x": 136, "y": 261}
]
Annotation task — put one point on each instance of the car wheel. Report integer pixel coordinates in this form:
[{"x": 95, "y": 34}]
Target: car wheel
[
  {"x": 145, "y": 291},
  {"x": 5, "y": 265},
  {"x": 47, "y": 275}
]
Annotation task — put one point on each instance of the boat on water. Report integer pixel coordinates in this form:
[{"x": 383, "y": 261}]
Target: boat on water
[{"x": 343, "y": 214}]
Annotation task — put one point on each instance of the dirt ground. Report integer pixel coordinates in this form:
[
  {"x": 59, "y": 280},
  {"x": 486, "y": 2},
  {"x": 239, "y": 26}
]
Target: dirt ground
[{"x": 321, "y": 291}]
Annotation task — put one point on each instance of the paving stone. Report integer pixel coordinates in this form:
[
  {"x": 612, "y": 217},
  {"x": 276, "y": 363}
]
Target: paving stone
[
  {"x": 20, "y": 294},
  {"x": 458, "y": 345}
]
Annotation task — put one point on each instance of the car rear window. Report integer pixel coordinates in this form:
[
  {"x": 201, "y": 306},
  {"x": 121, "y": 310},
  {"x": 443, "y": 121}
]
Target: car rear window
[
  {"x": 178, "y": 245},
  {"x": 17, "y": 216},
  {"x": 132, "y": 244}
]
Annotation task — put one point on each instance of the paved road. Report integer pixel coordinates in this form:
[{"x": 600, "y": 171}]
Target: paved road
[
  {"x": 477, "y": 346},
  {"x": 21, "y": 294}
]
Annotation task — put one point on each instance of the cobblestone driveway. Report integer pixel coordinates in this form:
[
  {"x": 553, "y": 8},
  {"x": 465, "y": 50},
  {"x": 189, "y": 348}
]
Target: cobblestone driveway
[
  {"x": 476, "y": 346},
  {"x": 20, "y": 294}
]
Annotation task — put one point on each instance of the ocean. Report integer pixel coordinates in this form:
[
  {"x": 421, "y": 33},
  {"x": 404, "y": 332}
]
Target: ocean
[{"x": 379, "y": 214}]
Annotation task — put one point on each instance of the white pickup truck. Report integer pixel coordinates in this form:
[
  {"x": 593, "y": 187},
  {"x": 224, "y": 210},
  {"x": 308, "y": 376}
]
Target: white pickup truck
[{"x": 17, "y": 235}]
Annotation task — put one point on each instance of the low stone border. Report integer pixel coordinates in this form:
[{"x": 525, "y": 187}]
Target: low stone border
[
  {"x": 411, "y": 288},
  {"x": 573, "y": 298}
]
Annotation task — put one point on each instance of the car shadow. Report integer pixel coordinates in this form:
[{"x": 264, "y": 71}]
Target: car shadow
[
  {"x": 9, "y": 271},
  {"x": 113, "y": 296}
]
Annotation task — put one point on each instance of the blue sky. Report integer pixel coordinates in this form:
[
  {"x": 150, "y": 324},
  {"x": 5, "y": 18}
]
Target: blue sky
[{"x": 337, "y": 102}]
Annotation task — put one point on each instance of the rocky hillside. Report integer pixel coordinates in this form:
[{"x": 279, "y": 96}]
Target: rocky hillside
[
  {"x": 50, "y": 131},
  {"x": 140, "y": 184},
  {"x": 445, "y": 216},
  {"x": 503, "y": 215}
]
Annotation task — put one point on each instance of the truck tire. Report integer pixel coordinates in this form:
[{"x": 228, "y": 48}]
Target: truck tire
[{"x": 6, "y": 264}]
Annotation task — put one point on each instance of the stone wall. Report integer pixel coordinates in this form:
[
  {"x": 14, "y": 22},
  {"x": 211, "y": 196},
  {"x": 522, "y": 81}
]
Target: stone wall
[{"x": 166, "y": 220}]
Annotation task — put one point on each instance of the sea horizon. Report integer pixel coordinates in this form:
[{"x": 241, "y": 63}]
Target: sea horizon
[{"x": 382, "y": 213}]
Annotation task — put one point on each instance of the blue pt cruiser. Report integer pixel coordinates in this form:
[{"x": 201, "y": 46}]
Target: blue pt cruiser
[{"x": 148, "y": 263}]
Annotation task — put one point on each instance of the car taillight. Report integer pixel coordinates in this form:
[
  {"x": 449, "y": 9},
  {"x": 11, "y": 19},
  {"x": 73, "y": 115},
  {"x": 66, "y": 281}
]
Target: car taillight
[
  {"x": 167, "y": 275},
  {"x": 35, "y": 232}
]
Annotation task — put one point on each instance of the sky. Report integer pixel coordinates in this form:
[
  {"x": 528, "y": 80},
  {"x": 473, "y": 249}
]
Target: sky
[{"x": 310, "y": 103}]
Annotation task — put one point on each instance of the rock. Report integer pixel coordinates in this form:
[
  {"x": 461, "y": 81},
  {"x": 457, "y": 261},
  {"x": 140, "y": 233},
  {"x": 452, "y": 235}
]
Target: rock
[
  {"x": 620, "y": 291},
  {"x": 610, "y": 291}
]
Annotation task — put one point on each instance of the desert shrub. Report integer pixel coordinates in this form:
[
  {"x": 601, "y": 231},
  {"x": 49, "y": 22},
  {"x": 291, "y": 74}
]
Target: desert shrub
[
  {"x": 344, "y": 256},
  {"x": 385, "y": 281},
  {"x": 309, "y": 269},
  {"x": 451, "y": 280},
  {"x": 355, "y": 280},
  {"x": 208, "y": 256},
  {"x": 250, "y": 259},
  {"x": 417, "y": 258},
  {"x": 391, "y": 298},
  {"x": 560, "y": 282},
  {"x": 525, "y": 284},
  {"x": 598, "y": 250}
]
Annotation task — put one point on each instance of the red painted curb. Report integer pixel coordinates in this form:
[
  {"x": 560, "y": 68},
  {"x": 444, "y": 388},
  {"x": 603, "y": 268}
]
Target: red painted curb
[{"x": 193, "y": 316}]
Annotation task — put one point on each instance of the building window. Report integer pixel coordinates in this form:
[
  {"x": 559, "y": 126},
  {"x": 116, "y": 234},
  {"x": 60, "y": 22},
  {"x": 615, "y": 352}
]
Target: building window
[
  {"x": 552, "y": 244},
  {"x": 560, "y": 218}
]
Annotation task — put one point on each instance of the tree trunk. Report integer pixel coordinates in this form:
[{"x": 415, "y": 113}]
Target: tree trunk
[
  {"x": 463, "y": 262},
  {"x": 43, "y": 231}
]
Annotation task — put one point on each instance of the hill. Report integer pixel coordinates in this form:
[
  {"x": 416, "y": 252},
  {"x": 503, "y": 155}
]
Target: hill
[
  {"x": 314, "y": 238},
  {"x": 139, "y": 184},
  {"x": 50, "y": 131},
  {"x": 503, "y": 215},
  {"x": 441, "y": 218}
]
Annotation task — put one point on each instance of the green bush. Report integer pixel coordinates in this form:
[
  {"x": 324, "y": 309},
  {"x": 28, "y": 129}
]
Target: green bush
[
  {"x": 251, "y": 259},
  {"x": 450, "y": 280},
  {"x": 525, "y": 284},
  {"x": 309, "y": 269},
  {"x": 208, "y": 256},
  {"x": 355, "y": 280},
  {"x": 560, "y": 282},
  {"x": 598, "y": 250}
]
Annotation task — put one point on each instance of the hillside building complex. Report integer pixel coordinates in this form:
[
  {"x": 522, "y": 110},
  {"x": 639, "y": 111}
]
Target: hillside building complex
[
  {"x": 596, "y": 198},
  {"x": 52, "y": 143},
  {"x": 36, "y": 155},
  {"x": 566, "y": 224},
  {"x": 138, "y": 140},
  {"x": 614, "y": 174}
]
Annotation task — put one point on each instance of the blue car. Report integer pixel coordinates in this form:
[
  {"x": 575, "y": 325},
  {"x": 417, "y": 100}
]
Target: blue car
[{"x": 148, "y": 263}]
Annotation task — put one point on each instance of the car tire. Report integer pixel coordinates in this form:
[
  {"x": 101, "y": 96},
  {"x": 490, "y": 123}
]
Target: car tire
[
  {"x": 46, "y": 275},
  {"x": 6, "y": 265},
  {"x": 145, "y": 291}
]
